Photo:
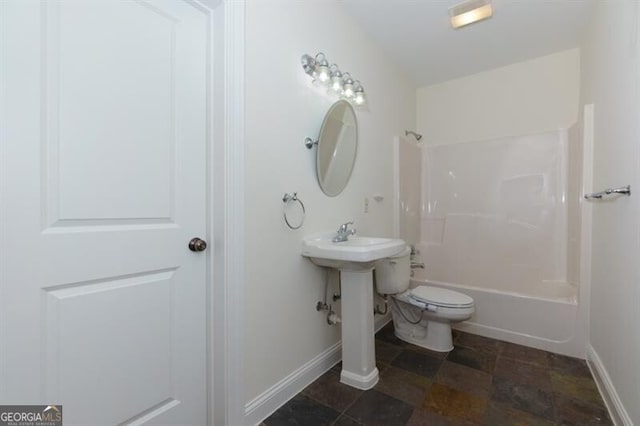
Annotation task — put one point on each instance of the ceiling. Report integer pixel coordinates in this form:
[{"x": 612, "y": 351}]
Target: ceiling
[{"x": 416, "y": 34}]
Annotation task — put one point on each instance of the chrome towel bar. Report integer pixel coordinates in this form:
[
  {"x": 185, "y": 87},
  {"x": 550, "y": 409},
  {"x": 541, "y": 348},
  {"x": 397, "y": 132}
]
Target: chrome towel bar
[{"x": 624, "y": 190}]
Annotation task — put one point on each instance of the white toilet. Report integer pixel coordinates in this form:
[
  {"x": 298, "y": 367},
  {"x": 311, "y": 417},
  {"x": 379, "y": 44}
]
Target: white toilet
[{"x": 421, "y": 315}]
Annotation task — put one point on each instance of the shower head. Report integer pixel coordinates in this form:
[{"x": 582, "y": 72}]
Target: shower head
[{"x": 416, "y": 135}]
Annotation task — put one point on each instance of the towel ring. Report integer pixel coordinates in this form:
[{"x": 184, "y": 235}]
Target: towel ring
[{"x": 288, "y": 199}]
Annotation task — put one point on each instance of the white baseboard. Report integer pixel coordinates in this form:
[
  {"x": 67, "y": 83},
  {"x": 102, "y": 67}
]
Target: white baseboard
[
  {"x": 617, "y": 411},
  {"x": 277, "y": 395}
]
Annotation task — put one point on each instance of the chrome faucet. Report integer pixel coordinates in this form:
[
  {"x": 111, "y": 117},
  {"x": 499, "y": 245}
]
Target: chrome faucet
[{"x": 344, "y": 232}]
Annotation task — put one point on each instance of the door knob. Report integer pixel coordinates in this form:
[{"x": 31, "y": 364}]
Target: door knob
[{"x": 196, "y": 244}]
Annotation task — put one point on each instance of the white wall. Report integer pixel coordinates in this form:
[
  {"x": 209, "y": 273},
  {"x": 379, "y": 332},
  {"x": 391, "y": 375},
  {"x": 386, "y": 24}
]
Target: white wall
[
  {"x": 529, "y": 97},
  {"x": 610, "y": 81},
  {"x": 283, "y": 329}
]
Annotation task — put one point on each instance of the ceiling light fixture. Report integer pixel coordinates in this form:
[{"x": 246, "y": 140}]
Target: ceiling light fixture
[{"x": 469, "y": 12}]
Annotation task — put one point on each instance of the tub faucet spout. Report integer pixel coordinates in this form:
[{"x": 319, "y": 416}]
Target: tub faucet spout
[{"x": 415, "y": 258}]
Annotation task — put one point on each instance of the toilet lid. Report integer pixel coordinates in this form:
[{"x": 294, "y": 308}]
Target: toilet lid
[{"x": 441, "y": 297}]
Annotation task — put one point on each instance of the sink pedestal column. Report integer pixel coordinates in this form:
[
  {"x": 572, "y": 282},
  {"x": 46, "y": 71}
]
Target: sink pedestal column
[{"x": 358, "y": 350}]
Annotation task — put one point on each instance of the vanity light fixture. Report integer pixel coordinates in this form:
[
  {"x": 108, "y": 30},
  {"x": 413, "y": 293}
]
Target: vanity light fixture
[
  {"x": 470, "y": 11},
  {"x": 337, "y": 82}
]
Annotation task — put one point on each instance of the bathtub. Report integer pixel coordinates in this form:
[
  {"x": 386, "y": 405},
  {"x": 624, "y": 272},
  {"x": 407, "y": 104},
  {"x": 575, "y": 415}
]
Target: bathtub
[{"x": 553, "y": 322}]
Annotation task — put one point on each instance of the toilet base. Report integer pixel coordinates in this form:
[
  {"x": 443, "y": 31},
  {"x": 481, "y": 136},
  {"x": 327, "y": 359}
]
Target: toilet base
[
  {"x": 429, "y": 333},
  {"x": 437, "y": 336}
]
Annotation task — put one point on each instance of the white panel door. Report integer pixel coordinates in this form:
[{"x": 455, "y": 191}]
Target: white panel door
[{"x": 102, "y": 184}]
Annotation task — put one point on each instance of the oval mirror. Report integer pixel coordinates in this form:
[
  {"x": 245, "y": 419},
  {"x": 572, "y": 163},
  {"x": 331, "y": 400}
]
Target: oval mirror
[{"x": 337, "y": 148}]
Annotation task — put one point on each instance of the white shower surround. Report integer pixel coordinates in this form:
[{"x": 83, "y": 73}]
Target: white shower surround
[
  {"x": 497, "y": 224},
  {"x": 494, "y": 215}
]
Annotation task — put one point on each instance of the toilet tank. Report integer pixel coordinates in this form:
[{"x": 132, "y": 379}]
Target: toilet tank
[{"x": 393, "y": 273}]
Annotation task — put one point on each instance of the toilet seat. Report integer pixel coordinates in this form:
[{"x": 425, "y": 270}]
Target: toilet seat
[{"x": 440, "y": 297}]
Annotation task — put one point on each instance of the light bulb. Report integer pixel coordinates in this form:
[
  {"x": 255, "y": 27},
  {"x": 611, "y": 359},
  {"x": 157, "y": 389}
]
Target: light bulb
[
  {"x": 359, "y": 98},
  {"x": 336, "y": 84},
  {"x": 322, "y": 68},
  {"x": 322, "y": 73},
  {"x": 348, "y": 90},
  {"x": 336, "y": 79}
]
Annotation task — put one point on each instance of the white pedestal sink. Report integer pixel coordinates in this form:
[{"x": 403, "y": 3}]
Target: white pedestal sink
[{"x": 355, "y": 259}]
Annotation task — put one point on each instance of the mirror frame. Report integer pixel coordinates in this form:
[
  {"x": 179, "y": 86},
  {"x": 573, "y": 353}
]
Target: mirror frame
[{"x": 324, "y": 138}]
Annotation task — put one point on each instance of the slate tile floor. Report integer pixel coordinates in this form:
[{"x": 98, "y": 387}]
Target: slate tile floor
[{"x": 481, "y": 382}]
